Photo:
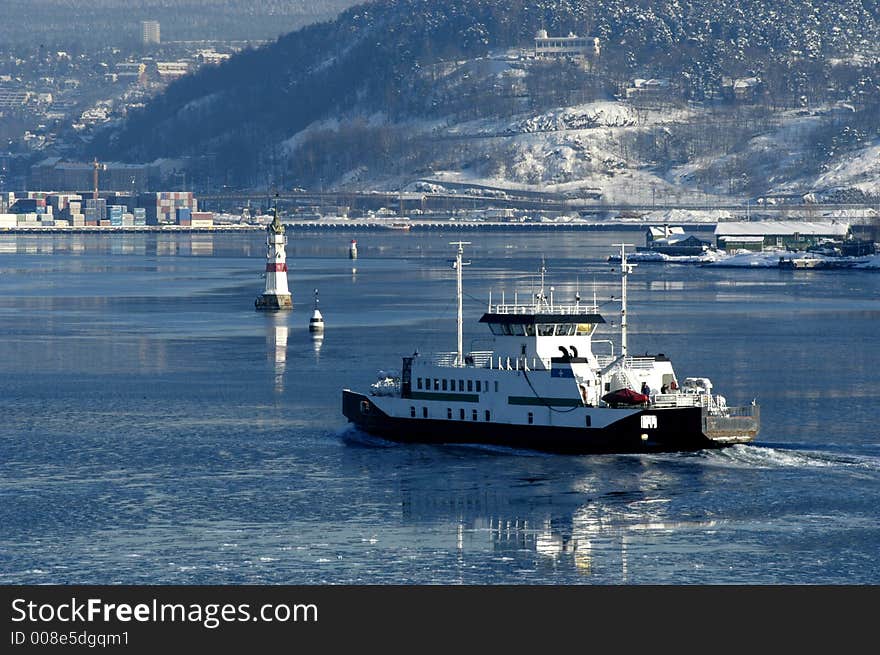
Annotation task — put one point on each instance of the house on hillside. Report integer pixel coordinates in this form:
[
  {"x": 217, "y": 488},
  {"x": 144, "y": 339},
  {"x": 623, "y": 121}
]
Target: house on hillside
[
  {"x": 741, "y": 89},
  {"x": 652, "y": 89},
  {"x": 566, "y": 46},
  {"x": 673, "y": 241},
  {"x": 794, "y": 235}
]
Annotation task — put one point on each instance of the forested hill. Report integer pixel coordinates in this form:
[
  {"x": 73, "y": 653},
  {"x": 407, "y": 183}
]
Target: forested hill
[{"x": 381, "y": 56}]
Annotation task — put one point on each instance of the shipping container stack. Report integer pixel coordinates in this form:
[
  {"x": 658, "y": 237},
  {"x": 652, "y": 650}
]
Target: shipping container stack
[
  {"x": 202, "y": 219},
  {"x": 114, "y": 214},
  {"x": 96, "y": 212},
  {"x": 162, "y": 206}
]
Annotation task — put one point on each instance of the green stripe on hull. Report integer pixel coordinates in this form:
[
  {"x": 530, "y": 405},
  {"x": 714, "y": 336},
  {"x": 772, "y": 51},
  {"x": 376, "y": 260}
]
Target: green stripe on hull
[
  {"x": 452, "y": 397},
  {"x": 544, "y": 402}
]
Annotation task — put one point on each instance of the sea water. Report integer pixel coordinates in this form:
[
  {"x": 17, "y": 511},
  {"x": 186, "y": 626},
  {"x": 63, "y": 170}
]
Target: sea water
[{"x": 156, "y": 429}]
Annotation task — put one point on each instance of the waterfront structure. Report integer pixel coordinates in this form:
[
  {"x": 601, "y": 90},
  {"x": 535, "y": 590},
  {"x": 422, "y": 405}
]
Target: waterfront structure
[
  {"x": 757, "y": 235},
  {"x": 673, "y": 241},
  {"x": 276, "y": 295},
  {"x": 543, "y": 387}
]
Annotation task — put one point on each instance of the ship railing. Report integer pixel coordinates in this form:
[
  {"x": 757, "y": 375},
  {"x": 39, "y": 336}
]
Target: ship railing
[
  {"x": 643, "y": 363},
  {"x": 488, "y": 359},
  {"x": 473, "y": 359},
  {"x": 680, "y": 400},
  {"x": 553, "y": 308}
]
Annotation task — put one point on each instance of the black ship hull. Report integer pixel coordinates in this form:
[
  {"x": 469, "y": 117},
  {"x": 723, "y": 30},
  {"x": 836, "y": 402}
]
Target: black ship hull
[{"x": 681, "y": 429}]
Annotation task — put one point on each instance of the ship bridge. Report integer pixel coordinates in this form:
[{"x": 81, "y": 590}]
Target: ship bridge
[{"x": 545, "y": 332}]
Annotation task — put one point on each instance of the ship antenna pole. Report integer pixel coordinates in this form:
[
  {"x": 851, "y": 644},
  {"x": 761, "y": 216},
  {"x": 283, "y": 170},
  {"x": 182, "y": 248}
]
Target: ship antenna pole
[
  {"x": 625, "y": 269},
  {"x": 459, "y": 360}
]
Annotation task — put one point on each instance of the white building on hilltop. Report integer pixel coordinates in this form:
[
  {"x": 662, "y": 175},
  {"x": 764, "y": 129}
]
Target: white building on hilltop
[
  {"x": 150, "y": 32},
  {"x": 571, "y": 45}
]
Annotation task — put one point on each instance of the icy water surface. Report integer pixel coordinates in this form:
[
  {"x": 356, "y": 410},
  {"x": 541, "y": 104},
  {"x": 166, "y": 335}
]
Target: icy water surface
[{"x": 156, "y": 429}]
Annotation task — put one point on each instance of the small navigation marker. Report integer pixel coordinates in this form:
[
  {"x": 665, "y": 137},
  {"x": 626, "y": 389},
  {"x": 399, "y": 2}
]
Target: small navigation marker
[
  {"x": 353, "y": 250},
  {"x": 276, "y": 296},
  {"x": 316, "y": 323}
]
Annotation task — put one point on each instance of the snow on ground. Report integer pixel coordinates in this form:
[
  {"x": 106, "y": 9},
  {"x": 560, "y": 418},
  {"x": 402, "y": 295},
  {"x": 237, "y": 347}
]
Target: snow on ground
[
  {"x": 860, "y": 171},
  {"x": 747, "y": 259}
]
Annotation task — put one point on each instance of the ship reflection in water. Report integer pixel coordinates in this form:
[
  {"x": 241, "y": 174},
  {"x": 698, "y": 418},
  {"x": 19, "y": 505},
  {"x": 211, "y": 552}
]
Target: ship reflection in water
[
  {"x": 276, "y": 344},
  {"x": 558, "y": 522}
]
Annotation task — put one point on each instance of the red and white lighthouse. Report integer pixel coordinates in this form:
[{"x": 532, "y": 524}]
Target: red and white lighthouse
[{"x": 276, "y": 295}]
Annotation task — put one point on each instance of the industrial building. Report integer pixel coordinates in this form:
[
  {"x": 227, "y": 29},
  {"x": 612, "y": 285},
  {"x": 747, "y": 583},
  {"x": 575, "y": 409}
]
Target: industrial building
[{"x": 795, "y": 235}]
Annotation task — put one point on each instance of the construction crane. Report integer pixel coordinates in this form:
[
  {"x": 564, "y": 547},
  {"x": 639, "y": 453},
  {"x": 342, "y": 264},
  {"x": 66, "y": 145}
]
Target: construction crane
[{"x": 97, "y": 167}]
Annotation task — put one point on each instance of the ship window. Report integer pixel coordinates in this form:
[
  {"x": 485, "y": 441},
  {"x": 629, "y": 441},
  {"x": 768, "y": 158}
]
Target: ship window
[
  {"x": 496, "y": 386},
  {"x": 486, "y": 386},
  {"x": 461, "y": 414},
  {"x": 436, "y": 384},
  {"x": 452, "y": 385},
  {"x": 470, "y": 385},
  {"x": 545, "y": 329},
  {"x": 488, "y": 415},
  {"x": 448, "y": 412},
  {"x": 496, "y": 328},
  {"x": 444, "y": 384},
  {"x": 419, "y": 383},
  {"x": 531, "y": 418},
  {"x": 565, "y": 329},
  {"x": 584, "y": 329},
  {"x": 505, "y": 329},
  {"x": 461, "y": 385},
  {"x": 412, "y": 412},
  {"x": 424, "y": 412},
  {"x": 589, "y": 421},
  {"x": 530, "y": 330},
  {"x": 478, "y": 386},
  {"x": 517, "y": 330},
  {"x": 474, "y": 415}
]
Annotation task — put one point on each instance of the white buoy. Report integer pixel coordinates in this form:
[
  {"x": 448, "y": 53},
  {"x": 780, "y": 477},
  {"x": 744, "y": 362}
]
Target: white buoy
[
  {"x": 276, "y": 295},
  {"x": 353, "y": 250},
  {"x": 316, "y": 323}
]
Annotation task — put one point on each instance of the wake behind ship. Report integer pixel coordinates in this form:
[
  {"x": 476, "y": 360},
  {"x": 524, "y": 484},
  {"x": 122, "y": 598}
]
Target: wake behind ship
[{"x": 542, "y": 387}]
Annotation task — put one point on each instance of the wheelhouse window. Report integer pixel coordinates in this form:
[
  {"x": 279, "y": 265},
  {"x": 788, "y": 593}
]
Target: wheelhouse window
[
  {"x": 530, "y": 330},
  {"x": 444, "y": 384},
  {"x": 461, "y": 385},
  {"x": 478, "y": 386},
  {"x": 584, "y": 329},
  {"x": 474, "y": 415},
  {"x": 505, "y": 329},
  {"x": 496, "y": 329},
  {"x": 517, "y": 330},
  {"x": 461, "y": 414},
  {"x": 545, "y": 329},
  {"x": 564, "y": 330},
  {"x": 418, "y": 383}
]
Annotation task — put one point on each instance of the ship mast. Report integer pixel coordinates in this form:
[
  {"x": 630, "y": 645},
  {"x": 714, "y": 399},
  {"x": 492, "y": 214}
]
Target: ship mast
[
  {"x": 625, "y": 269},
  {"x": 459, "y": 359}
]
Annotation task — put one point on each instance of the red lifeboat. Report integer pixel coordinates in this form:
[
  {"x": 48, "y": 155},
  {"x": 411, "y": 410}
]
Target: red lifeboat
[{"x": 625, "y": 397}]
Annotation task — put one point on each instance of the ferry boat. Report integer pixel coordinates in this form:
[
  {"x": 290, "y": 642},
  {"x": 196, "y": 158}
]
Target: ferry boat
[{"x": 544, "y": 388}]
